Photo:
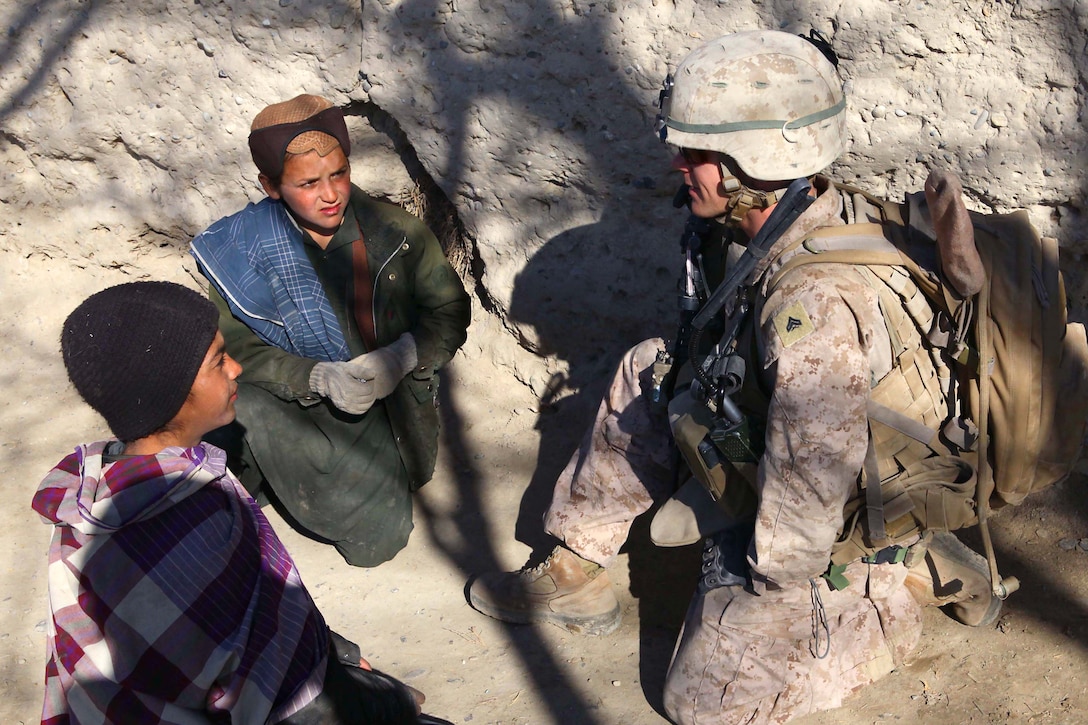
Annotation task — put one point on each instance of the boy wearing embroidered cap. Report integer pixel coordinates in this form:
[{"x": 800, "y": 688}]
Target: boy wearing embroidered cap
[
  {"x": 172, "y": 599},
  {"x": 341, "y": 308}
]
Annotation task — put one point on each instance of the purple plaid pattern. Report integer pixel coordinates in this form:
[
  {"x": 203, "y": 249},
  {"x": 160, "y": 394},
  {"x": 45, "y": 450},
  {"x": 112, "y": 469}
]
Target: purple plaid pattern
[{"x": 173, "y": 600}]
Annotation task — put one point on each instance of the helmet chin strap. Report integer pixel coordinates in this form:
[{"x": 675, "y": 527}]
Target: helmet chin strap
[{"x": 742, "y": 199}]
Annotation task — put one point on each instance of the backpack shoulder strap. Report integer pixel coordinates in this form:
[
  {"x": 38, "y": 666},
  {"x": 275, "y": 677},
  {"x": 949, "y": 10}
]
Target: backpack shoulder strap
[{"x": 863, "y": 244}]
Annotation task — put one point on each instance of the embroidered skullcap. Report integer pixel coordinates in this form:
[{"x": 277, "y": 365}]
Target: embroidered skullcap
[
  {"x": 133, "y": 351},
  {"x": 304, "y": 123}
]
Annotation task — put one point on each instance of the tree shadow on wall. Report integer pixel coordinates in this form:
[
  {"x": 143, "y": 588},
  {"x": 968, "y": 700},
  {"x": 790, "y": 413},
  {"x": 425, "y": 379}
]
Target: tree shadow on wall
[
  {"x": 587, "y": 294},
  {"x": 54, "y": 42}
]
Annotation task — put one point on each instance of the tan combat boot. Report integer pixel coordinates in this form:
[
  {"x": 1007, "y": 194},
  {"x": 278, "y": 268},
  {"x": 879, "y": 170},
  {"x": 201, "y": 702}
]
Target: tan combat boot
[
  {"x": 564, "y": 590},
  {"x": 952, "y": 575}
]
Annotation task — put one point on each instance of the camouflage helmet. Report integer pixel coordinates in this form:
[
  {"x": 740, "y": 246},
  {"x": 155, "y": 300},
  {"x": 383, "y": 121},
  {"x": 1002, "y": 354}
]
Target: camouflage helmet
[{"x": 771, "y": 101}]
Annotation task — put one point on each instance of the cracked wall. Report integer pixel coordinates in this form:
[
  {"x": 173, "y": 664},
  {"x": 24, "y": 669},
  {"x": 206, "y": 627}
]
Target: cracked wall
[{"x": 522, "y": 131}]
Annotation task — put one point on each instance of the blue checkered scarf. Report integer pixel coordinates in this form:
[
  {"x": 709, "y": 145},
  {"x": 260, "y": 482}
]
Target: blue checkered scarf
[{"x": 257, "y": 262}]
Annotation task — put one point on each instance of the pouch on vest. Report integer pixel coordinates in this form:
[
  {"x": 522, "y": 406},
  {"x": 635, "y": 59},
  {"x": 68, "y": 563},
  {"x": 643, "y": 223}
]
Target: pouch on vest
[
  {"x": 722, "y": 458},
  {"x": 936, "y": 494}
]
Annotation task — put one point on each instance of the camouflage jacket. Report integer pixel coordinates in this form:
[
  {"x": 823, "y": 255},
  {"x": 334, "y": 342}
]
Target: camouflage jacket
[{"x": 821, "y": 341}]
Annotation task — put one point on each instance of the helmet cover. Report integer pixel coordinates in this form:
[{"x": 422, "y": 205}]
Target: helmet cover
[{"x": 770, "y": 100}]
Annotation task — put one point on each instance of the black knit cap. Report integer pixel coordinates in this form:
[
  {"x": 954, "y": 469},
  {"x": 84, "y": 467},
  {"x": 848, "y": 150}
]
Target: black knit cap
[{"x": 133, "y": 351}]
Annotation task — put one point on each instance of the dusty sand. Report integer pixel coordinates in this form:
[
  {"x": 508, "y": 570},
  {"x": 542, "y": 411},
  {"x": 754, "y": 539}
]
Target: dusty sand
[{"x": 499, "y": 456}]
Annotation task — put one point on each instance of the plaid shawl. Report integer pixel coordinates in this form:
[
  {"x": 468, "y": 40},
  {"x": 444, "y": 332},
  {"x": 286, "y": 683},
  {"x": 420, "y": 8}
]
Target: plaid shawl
[
  {"x": 255, "y": 259},
  {"x": 172, "y": 598}
]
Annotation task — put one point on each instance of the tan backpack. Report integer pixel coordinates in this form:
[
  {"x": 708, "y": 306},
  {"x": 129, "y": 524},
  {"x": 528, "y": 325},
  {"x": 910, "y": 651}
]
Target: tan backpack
[{"x": 1018, "y": 404}]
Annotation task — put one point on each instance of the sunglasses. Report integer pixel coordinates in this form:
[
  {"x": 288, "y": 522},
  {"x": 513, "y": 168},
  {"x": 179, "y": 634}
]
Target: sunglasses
[{"x": 694, "y": 157}]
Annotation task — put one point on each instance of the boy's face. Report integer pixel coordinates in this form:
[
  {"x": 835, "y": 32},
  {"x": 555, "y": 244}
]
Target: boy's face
[
  {"x": 210, "y": 403},
  {"x": 316, "y": 188}
]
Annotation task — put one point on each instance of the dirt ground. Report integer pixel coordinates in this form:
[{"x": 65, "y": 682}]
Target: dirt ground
[{"x": 501, "y": 452}]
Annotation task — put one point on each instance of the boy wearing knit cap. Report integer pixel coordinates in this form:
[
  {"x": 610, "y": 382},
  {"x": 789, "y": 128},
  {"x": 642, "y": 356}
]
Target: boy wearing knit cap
[
  {"x": 172, "y": 598},
  {"x": 341, "y": 308}
]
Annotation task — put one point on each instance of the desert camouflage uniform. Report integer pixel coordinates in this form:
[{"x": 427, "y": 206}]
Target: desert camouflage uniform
[
  {"x": 744, "y": 658},
  {"x": 752, "y": 655},
  {"x": 622, "y": 467}
]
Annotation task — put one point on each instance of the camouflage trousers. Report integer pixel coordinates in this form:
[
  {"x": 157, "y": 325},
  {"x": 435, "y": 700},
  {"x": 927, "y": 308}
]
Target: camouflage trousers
[
  {"x": 623, "y": 465},
  {"x": 741, "y": 658},
  {"x": 751, "y": 659}
]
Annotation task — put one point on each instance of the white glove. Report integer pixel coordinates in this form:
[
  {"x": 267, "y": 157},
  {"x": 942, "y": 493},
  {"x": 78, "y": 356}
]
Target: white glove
[
  {"x": 385, "y": 367},
  {"x": 334, "y": 380},
  {"x": 353, "y": 386}
]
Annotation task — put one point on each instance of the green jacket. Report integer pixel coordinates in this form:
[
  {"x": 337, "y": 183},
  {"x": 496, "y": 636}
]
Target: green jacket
[{"x": 415, "y": 290}]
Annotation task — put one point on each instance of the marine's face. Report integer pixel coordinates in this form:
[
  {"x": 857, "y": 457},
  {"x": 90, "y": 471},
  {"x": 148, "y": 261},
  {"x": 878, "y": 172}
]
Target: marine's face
[
  {"x": 210, "y": 403},
  {"x": 703, "y": 174},
  {"x": 315, "y": 188}
]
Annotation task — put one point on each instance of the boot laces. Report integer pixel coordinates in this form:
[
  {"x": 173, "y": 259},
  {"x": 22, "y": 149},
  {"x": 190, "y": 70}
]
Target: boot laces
[{"x": 538, "y": 570}]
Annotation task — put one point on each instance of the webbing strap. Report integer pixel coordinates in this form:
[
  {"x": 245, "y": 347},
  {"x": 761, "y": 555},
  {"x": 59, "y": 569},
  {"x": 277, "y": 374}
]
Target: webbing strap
[
  {"x": 986, "y": 485},
  {"x": 893, "y": 259},
  {"x": 874, "y": 498},
  {"x": 893, "y": 554},
  {"x": 899, "y": 422},
  {"x": 363, "y": 293},
  {"x": 867, "y": 241},
  {"x": 962, "y": 432}
]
